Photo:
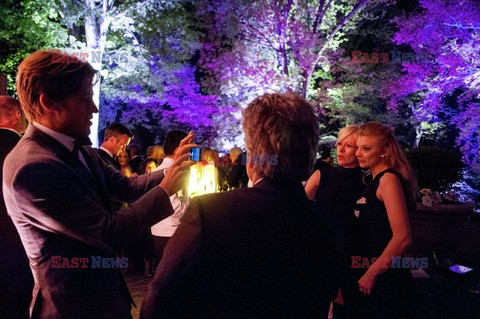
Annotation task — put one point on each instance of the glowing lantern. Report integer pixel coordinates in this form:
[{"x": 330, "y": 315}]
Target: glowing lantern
[{"x": 203, "y": 180}]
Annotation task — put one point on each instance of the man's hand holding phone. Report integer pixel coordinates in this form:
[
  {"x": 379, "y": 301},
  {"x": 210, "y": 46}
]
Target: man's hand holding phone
[
  {"x": 174, "y": 177},
  {"x": 196, "y": 154}
]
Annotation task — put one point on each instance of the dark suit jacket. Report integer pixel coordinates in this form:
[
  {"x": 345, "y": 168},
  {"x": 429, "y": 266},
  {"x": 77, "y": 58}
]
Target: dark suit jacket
[
  {"x": 12, "y": 253},
  {"x": 16, "y": 279},
  {"x": 261, "y": 252},
  {"x": 135, "y": 163},
  {"x": 237, "y": 175},
  {"x": 115, "y": 202},
  {"x": 62, "y": 209},
  {"x": 107, "y": 159}
]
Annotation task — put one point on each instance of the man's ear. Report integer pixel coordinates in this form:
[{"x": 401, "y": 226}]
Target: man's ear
[
  {"x": 17, "y": 115},
  {"x": 250, "y": 160},
  {"x": 47, "y": 104}
]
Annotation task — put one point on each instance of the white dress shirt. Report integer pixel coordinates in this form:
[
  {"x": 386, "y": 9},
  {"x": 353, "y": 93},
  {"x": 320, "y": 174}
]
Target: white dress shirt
[{"x": 168, "y": 226}]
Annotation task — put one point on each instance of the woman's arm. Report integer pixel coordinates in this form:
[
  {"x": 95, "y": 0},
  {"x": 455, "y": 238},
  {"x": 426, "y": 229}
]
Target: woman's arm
[
  {"x": 312, "y": 184},
  {"x": 391, "y": 193}
]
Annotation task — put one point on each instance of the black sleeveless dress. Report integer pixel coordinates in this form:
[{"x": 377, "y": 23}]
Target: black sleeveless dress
[
  {"x": 336, "y": 195},
  {"x": 391, "y": 295}
]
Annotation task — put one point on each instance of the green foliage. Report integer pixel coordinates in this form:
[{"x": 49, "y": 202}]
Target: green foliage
[
  {"x": 354, "y": 92},
  {"x": 25, "y": 27},
  {"x": 435, "y": 167}
]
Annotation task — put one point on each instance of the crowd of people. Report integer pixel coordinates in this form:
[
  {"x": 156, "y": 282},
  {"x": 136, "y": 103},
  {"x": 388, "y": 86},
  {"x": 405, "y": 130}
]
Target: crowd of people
[{"x": 276, "y": 238}]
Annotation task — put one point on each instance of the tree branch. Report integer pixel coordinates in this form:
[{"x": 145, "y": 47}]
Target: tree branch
[
  {"x": 340, "y": 25},
  {"x": 261, "y": 34},
  {"x": 458, "y": 25},
  {"x": 323, "y": 13},
  {"x": 317, "y": 16}
]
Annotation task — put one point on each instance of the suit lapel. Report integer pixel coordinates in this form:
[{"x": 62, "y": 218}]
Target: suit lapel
[
  {"x": 97, "y": 174},
  {"x": 66, "y": 156}
]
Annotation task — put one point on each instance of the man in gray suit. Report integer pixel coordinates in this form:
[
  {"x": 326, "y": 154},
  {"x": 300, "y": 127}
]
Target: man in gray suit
[{"x": 57, "y": 193}]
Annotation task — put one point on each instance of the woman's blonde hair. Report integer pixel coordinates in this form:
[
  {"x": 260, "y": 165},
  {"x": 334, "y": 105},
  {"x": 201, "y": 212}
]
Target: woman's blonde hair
[
  {"x": 395, "y": 157},
  {"x": 347, "y": 131}
]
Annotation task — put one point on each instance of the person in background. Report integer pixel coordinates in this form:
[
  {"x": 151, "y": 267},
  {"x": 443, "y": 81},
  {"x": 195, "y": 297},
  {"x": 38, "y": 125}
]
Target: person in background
[
  {"x": 115, "y": 140},
  {"x": 57, "y": 192},
  {"x": 150, "y": 166},
  {"x": 325, "y": 159},
  {"x": 154, "y": 152},
  {"x": 157, "y": 153},
  {"x": 236, "y": 176},
  {"x": 163, "y": 230},
  {"x": 260, "y": 252},
  {"x": 146, "y": 240},
  {"x": 135, "y": 158},
  {"x": 123, "y": 160},
  {"x": 16, "y": 279},
  {"x": 382, "y": 228}
]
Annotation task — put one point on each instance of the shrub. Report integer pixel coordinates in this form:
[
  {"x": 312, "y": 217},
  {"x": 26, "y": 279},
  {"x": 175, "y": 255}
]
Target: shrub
[{"x": 435, "y": 167}]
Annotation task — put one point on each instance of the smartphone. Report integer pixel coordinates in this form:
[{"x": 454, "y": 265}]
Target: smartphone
[
  {"x": 459, "y": 269},
  {"x": 196, "y": 154}
]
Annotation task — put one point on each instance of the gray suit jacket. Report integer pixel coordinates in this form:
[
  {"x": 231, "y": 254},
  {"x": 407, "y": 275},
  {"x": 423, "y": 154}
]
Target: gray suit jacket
[{"x": 61, "y": 208}]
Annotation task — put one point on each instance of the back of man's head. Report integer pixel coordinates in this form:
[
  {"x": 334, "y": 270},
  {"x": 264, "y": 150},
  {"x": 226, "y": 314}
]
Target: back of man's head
[
  {"x": 326, "y": 153},
  {"x": 133, "y": 150},
  {"x": 156, "y": 152},
  {"x": 53, "y": 73},
  {"x": 283, "y": 126},
  {"x": 10, "y": 113},
  {"x": 172, "y": 140},
  {"x": 115, "y": 130},
  {"x": 234, "y": 153}
]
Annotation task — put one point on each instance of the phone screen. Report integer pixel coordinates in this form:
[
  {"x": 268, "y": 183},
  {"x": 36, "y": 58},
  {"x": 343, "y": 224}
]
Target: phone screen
[
  {"x": 195, "y": 154},
  {"x": 459, "y": 269}
]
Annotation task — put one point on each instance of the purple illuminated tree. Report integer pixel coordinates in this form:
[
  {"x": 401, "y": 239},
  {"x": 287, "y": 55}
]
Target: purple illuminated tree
[
  {"x": 448, "y": 34},
  {"x": 254, "y": 47}
]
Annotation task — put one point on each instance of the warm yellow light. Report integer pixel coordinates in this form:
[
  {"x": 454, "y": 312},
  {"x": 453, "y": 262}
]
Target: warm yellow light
[{"x": 203, "y": 180}]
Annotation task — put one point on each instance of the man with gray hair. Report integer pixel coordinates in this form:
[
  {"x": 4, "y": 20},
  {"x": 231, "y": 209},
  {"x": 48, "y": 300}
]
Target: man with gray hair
[{"x": 260, "y": 252}]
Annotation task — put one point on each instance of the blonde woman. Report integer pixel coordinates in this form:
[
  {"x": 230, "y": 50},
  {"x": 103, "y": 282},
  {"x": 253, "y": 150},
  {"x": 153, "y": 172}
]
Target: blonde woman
[
  {"x": 335, "y": 190},
  {"x": 376, "y": 288}
]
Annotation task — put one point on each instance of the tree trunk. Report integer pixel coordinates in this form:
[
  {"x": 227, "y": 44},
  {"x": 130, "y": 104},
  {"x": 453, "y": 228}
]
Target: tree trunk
[
  {"x": 305, "y": 83},
  {"x": 96, "y": 35},
  {"x": 284, "y": 59},
  {"x": 418, "y": 134}
]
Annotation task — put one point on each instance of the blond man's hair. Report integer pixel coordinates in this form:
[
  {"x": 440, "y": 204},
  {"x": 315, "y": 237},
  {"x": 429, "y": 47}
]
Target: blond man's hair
[{"x": 43, "y": 72}]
